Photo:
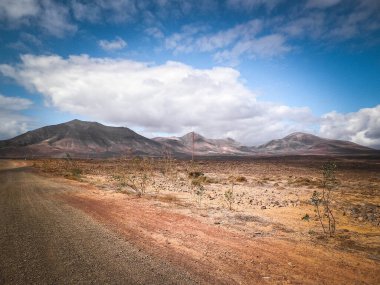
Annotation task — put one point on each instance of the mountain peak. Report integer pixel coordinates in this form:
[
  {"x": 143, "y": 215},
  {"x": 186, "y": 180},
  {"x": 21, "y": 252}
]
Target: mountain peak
[
  {"x": 300, "y": 135},
  {"x": 190, "y": 136},
  {"x": 80, "y": 138},
  {"x": 77, "y": 122},
  {"x": 92, "y": 139}
]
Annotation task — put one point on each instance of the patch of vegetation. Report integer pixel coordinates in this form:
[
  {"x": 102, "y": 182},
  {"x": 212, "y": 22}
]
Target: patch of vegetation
[
  {"x": 322, "y": 200},
  {"x": 241, "y": 179},
  {"x": 229, "y": 197},
  {"x": 196, "y": 174},
  {"x": 169, "y": 198},
  {"x": 199, "y": 192},
  {"x": 306, "y": 217}
]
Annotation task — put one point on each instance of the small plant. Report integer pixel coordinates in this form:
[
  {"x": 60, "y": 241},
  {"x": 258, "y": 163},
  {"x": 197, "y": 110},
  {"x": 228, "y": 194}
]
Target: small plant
[
  {"x": 229, "y": 197},
  {"x": 143, "y": 183},
  {"x": 199, "y": 192},
  {"x": 241, "y": 179},
  {"x": 76, "y": 172},
  {"x": 306, "y": 218},
  {"x": 195, "y": 174},
  {"x": 168, "y": 161},
  {"x": 322, "y": 201}
]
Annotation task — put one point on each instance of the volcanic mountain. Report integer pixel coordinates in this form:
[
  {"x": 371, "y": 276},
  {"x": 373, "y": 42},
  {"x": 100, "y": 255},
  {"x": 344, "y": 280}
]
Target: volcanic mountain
[
  {"x": 202, "y": 145},
  {"x": 302, "y": 143},
  {"x": 79, "y": 139},
  {"x": 91, "y": 139}
]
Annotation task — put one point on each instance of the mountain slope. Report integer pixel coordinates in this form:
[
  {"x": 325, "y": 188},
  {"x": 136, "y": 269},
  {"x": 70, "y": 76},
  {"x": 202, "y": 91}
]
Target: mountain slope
[
  {"x": 91, "y": 139},
  {"x": 79, "y": 138},
  {"x": 302, "y": 143},
  {"x": 202, "y": 145}
]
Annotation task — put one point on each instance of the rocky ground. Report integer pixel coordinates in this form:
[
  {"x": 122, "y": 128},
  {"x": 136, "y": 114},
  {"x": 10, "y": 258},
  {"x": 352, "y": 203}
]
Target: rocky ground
[{"x": 268, "y": 231}]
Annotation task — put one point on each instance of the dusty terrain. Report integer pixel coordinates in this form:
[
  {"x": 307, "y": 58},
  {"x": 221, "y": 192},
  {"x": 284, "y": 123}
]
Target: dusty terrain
[
  {"x": 146, "y": 218},
  {"x": 43, "y": 240}
]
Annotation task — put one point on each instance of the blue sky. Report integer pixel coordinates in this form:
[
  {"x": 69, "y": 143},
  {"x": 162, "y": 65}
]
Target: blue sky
[{"x": 252, "y": 70}]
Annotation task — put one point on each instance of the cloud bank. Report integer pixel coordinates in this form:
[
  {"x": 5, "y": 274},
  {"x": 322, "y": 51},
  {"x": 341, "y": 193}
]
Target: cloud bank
[
  {"x": 362, "y": 127},
  {"x": 12, "y": 122},
  {"x": 323, "y": 22},
  {"x": 175, "y": 98},
  {"x": 171, "y": 98}
]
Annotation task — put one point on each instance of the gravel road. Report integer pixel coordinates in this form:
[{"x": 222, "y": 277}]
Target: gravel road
[{"x": 45, "y": 241}]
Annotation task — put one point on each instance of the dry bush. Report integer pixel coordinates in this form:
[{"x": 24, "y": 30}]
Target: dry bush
[
  {"x": 195, "y": 174},
  {"x": 241, "y": 179},
  {"x": 322, "y": 201},
  {"x": 169, "y": 198},
  {"x": 229, "y": 197}
]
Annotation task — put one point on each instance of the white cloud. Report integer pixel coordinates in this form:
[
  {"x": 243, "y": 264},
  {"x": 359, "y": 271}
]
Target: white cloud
[
  {"x": 362, "y": 127},
  {"x": 117, "y": 43},
  {"x": 16, "y": 10},
  {"x": 55, "y": 19},
  {"x": 115, "y": 11},
  {"x": 266, "y": 46},
  {"x": 225, "y": 38},
  {"x": 356, "y": 20},
  {"x": 14, "y": 103},
  {"x": 230, "y": 44},
  {"x": 12, "y": 123},
  {"x": 172, "y": 97},
  {"x": 86, "y": 11},
  {"x": 51, "y": 17},
  {"x": 155, "y": 32},
  {"x": 312, "y": 26}
]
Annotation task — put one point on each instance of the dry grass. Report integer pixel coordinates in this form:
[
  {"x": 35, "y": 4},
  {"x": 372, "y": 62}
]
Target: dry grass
[
  {"x": 168, "y": 198},
  {"x": 274, "y": 190}
]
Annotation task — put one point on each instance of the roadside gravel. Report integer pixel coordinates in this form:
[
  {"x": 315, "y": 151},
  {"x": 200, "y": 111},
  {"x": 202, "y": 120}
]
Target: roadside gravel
[{"x": 45, "y": 241}]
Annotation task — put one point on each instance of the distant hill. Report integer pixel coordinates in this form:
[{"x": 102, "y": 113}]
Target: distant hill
[
  {"x": 203, "y": 146},
  {"x": 81, "y": 139},
  {"x": 302, "y": 143},
  {"x": 91, "y": 139}
]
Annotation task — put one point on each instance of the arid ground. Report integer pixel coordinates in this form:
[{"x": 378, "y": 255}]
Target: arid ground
[{"x": 162, "y": 221}]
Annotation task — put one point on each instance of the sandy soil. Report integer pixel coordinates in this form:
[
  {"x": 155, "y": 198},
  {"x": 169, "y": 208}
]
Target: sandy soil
[{"x": 261, "y": 240}]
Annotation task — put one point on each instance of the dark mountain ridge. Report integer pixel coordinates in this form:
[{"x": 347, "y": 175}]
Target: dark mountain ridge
[
  {"x": 80, "y": 138},
  {"x": 302, "y": 143},
  {"x": 92, "y": 139},
  {"x": 202, "y": 145}
]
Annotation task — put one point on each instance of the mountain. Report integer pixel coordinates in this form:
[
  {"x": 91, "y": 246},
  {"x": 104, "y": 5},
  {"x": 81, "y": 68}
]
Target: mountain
[
  {"x": 202, "y": 145},
  {"x": 80, "y": 139},
  {"x": 91, "y": 139},
  {"x": 302, "y": 143}
]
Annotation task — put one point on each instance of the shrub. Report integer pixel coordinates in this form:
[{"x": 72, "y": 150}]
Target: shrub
[
  {"x": 199, "y": 191},
  {"x": 195, "y": 174},
  {"x": 306, "y": 218},
  {"x": 322, "y": 201},
  {"x": 229, "y": 196},
  {"x": 241, "y": 179}
]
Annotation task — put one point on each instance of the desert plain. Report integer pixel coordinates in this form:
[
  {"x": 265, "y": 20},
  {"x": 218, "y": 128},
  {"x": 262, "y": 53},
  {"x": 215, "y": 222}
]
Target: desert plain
[
  {"x": 218, "y": 220},
  {"x": 208, "y": 221}
]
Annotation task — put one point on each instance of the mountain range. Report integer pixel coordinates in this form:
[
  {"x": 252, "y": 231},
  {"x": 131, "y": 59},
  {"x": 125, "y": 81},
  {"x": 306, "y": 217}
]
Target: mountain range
[{"x": 94, "y": 140}]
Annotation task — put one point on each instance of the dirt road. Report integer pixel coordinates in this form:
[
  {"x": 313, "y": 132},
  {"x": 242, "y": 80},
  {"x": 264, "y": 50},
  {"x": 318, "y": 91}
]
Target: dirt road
[{"x": 45, "y": 241}]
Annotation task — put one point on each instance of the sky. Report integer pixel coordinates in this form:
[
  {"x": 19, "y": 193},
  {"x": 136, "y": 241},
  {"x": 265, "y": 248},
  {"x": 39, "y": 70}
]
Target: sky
[{"x": 251, "y": 70}]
